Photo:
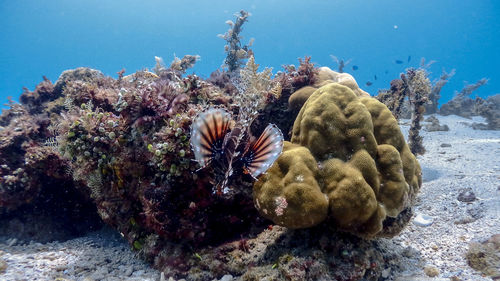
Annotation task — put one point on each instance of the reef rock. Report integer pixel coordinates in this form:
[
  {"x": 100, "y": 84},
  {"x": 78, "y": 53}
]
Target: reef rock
[
  {"x": 485, "y": 256},
  {"x": 466, "y": 107}
]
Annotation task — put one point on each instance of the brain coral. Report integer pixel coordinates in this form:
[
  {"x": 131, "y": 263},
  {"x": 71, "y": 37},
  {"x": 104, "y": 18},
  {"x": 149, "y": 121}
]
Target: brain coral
[{"x": 347, "y": 163}]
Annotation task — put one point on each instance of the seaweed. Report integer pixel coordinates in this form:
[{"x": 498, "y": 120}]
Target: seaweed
[{"x": 236, "y": 53}]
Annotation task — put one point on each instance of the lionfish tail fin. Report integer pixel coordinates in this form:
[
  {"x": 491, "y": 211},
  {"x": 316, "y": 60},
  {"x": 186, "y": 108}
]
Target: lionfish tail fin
[{"x": 262, "y": 153}]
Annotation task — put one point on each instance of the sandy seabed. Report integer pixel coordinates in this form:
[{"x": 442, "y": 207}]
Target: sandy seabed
[{"x": 461, "y": 160}]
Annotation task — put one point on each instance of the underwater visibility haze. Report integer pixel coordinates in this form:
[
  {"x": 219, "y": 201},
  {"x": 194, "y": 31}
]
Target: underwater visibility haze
[
  {"x": 45, "y": 38},
  {"x": 249, "y": 140}
]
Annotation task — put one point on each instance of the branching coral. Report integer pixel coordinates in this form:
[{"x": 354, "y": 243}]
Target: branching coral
[
  {"x": 254, "y": 91},
  {"x": 463, "y": 105},
  {"x": 470, "y": 88}
]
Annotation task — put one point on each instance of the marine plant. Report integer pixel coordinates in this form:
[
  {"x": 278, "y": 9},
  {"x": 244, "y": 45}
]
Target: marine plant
[
  {"x": 236, "y": 53},
  {"x": 341, "y": 63},
  {"x": 278, "y": 110},
  {"x": 413, "y": 87},
  {"x": 435, "y": 95}
]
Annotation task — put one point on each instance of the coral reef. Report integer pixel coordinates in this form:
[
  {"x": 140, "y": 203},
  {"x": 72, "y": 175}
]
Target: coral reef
[
  {"x": 348, "y": 162},
  {"x": 132, "y": 150},
  {"x": 277, "y": 109},
  {"x": 463, "y": 105},
  {"x": 90, "y": 149},
  {"x": 33, "y": 175}
]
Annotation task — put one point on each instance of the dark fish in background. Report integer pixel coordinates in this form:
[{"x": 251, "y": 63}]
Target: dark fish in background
[
  {"x": 375, "y": 77},
  {"x": 409, "y": 58},
  {"x": 369, "y": 83},
  {"x": 398, "y": 61},
  {"x": 387, "y": 71},
  {"x": 354, "y": 67}
]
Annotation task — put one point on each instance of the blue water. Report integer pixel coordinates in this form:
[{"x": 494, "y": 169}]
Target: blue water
[{"x": 47, "y": 37}]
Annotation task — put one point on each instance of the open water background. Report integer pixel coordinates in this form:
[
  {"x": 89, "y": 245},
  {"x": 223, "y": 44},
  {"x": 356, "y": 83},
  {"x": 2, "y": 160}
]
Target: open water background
[{"x": 47, "y": 37}]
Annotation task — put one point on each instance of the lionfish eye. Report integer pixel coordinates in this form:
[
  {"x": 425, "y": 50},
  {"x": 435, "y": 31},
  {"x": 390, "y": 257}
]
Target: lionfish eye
[{"x": 207, "y": 134}]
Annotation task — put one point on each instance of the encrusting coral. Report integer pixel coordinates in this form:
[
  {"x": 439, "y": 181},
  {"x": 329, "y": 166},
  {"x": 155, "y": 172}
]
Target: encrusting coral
[{"x": 347, "y": 163}]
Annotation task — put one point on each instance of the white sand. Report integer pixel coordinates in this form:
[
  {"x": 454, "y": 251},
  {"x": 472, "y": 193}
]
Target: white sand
[{"x": 472, "y": 161}]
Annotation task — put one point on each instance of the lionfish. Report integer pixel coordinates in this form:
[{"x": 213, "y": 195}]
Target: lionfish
[{"x": 216, "y": 139}]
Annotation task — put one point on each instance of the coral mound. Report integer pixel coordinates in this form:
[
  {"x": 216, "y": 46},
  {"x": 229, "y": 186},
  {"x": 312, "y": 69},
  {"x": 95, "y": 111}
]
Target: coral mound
[
  {"x": 347, "y": 164},
  {"x": 325, "y": 76}
]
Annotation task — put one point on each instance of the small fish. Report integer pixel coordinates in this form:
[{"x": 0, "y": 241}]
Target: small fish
[
  {"x": 354, "y": 67},
  {"x": 409, "y": 58},
  {"x": 398, "y": 61},
  {"x": 375, "y": 77},
  {"x": 369, "y": 83},
  {"x": 216, "y": 140}
]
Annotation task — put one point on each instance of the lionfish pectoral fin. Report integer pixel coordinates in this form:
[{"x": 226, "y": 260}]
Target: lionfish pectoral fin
[
  {"x": 264, "y": 151},
  {"x": 207, "y": 134}
]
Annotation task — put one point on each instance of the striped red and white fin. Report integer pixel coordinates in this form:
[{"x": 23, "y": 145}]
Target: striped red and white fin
[
  {"x": 207, "y": 134},
  {"x": 262, "y": 153}
]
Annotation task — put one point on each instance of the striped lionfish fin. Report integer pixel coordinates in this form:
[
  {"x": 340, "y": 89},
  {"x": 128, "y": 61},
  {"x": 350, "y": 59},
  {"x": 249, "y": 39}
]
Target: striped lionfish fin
[
  {"x": 262, "y": 153},
  {"x": 207, "y": 134}
]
